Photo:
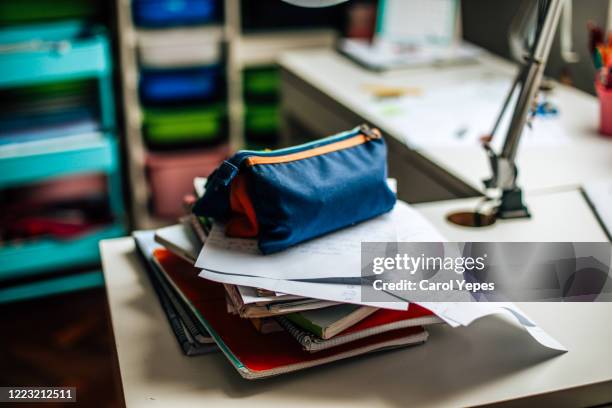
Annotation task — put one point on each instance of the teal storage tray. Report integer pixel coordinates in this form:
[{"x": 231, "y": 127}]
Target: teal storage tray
[
  {"x": 45, "y": 159},
  {"x": 54, "y": 51},
  {"x": 53, "y": 286},
  {"x": 31, "y": 257}
]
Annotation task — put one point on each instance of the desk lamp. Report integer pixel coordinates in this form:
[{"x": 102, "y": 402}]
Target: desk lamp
[{"x": 528, "y": 79}]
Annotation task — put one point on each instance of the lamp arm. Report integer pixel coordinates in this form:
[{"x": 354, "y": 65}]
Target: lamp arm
[
  {"x": 533, "y": 78},
  {"x": 528, "y": 79}
]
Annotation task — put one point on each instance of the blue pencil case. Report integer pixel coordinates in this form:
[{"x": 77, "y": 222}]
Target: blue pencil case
[
  {"x": 166, "y": 13},
  {"x": 161, "y": 86},
  {"x": 287, "y": 196}
]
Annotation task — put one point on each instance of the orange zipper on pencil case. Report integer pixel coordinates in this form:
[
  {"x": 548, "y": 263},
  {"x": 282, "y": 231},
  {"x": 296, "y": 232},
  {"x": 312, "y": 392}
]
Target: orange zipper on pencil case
[{"x": 317, "y": 151}]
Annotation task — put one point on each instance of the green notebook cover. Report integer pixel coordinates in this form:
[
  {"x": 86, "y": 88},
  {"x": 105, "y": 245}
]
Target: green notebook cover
[{"x": 319, "y": 320}]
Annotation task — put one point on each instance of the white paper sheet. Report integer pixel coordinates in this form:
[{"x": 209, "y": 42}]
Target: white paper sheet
[
  {"x": 336, "y": 255},
  {"x": 453, "y": 313},
  {"x": 464, "y": 313},
  {"x": 249, "y": 295},
  {"x": 460, "y": 114},
  {"x": 180, "y": 237},
  {"x": 324, "y": 291},
  {"x": 385, "y": 55},
  {"x": 599, "y": 194}
]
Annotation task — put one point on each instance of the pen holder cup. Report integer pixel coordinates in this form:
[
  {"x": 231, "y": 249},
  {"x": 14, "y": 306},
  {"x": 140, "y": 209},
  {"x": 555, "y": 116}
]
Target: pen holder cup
[{"x": 605, "y": 107}]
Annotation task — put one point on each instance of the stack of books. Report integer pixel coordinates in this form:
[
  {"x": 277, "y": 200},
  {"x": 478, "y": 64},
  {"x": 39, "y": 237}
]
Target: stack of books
[{"x": 262, "y": 332}]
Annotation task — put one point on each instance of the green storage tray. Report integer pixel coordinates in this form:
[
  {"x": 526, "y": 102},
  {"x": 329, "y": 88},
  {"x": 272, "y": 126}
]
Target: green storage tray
[
  {"x": 261, "y": 82},
  {"x": 262, "y": 118},
  {"x": 168, "y": 126}
]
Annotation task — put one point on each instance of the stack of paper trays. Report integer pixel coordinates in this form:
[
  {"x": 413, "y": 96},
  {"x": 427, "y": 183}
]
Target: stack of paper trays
[{"x": 274, "y": 314}]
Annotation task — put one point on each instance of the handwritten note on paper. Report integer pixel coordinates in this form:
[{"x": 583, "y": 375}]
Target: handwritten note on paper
[{"x": 336, "y": 255}]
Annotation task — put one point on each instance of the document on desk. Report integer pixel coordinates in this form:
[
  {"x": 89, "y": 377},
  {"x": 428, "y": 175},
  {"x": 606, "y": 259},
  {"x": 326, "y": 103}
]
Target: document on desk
[
  {"x": 465, "y": 313},
  {"x": 384, "y": 55},
  {"x": 335, "y": 255},
  {"x": 460, "y": 114},
  {"x": 599, "y": 196}
]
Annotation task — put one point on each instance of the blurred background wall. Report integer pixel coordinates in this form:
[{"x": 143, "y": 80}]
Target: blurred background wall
[{"x": 486, "y": 23}]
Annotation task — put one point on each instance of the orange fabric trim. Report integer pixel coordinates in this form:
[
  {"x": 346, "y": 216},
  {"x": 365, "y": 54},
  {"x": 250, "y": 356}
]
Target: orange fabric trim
[
  {"x": 344, "y": 144},
  {"x": 243, "y": 221}
]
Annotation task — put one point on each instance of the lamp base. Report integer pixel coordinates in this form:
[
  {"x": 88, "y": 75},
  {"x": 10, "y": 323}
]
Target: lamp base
[
  {"x": 472, "y": 219},
  {"x": 512, "y": 205}
]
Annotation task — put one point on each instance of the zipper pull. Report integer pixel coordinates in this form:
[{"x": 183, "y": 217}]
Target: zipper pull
[
  {"x": 223, "y": 175},
  {"x": 369, "y": 132}
]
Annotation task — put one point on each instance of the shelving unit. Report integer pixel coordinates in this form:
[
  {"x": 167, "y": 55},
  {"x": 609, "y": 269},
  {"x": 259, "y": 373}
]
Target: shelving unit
[
  {"x": 26, "y": 259},
  {"x": 86, "y": 280},
  {"x": 22, "y": 163},
  {"x": 241, "y": 50},
  {"x": 43, "y": 54}
]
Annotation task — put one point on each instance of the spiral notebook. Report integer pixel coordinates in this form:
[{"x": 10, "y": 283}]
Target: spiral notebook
[
  {"x": 192, "y": 337},
  {"x": 381, "y": 321}
]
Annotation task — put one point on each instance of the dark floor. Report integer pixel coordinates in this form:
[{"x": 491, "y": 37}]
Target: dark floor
[{"x": 63, "y": 340}]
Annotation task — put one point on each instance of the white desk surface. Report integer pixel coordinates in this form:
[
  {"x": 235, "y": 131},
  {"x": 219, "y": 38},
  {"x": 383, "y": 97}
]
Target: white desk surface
[
  {"x": 492, "y": 360},
  {"x": 587, "y": 156},
  {"x": 562, "y": 216}
]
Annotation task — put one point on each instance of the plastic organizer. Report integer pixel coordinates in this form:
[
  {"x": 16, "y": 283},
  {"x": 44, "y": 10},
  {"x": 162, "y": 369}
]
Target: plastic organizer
[
  {"x": 180, "y": 47},
  {"x": 166, "y": 13},
  {"x": 171, "y": 176},
  {"x": 58, "y": 51},
  {"x": 261, "y": 119},
  {"x": 49, "y": 54},
  {"x": 261, "y": 83},
  {"x": 177, "y": 85},
  {"x": 188, "y": 125},
  {"x": 48, "y": 110}
]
